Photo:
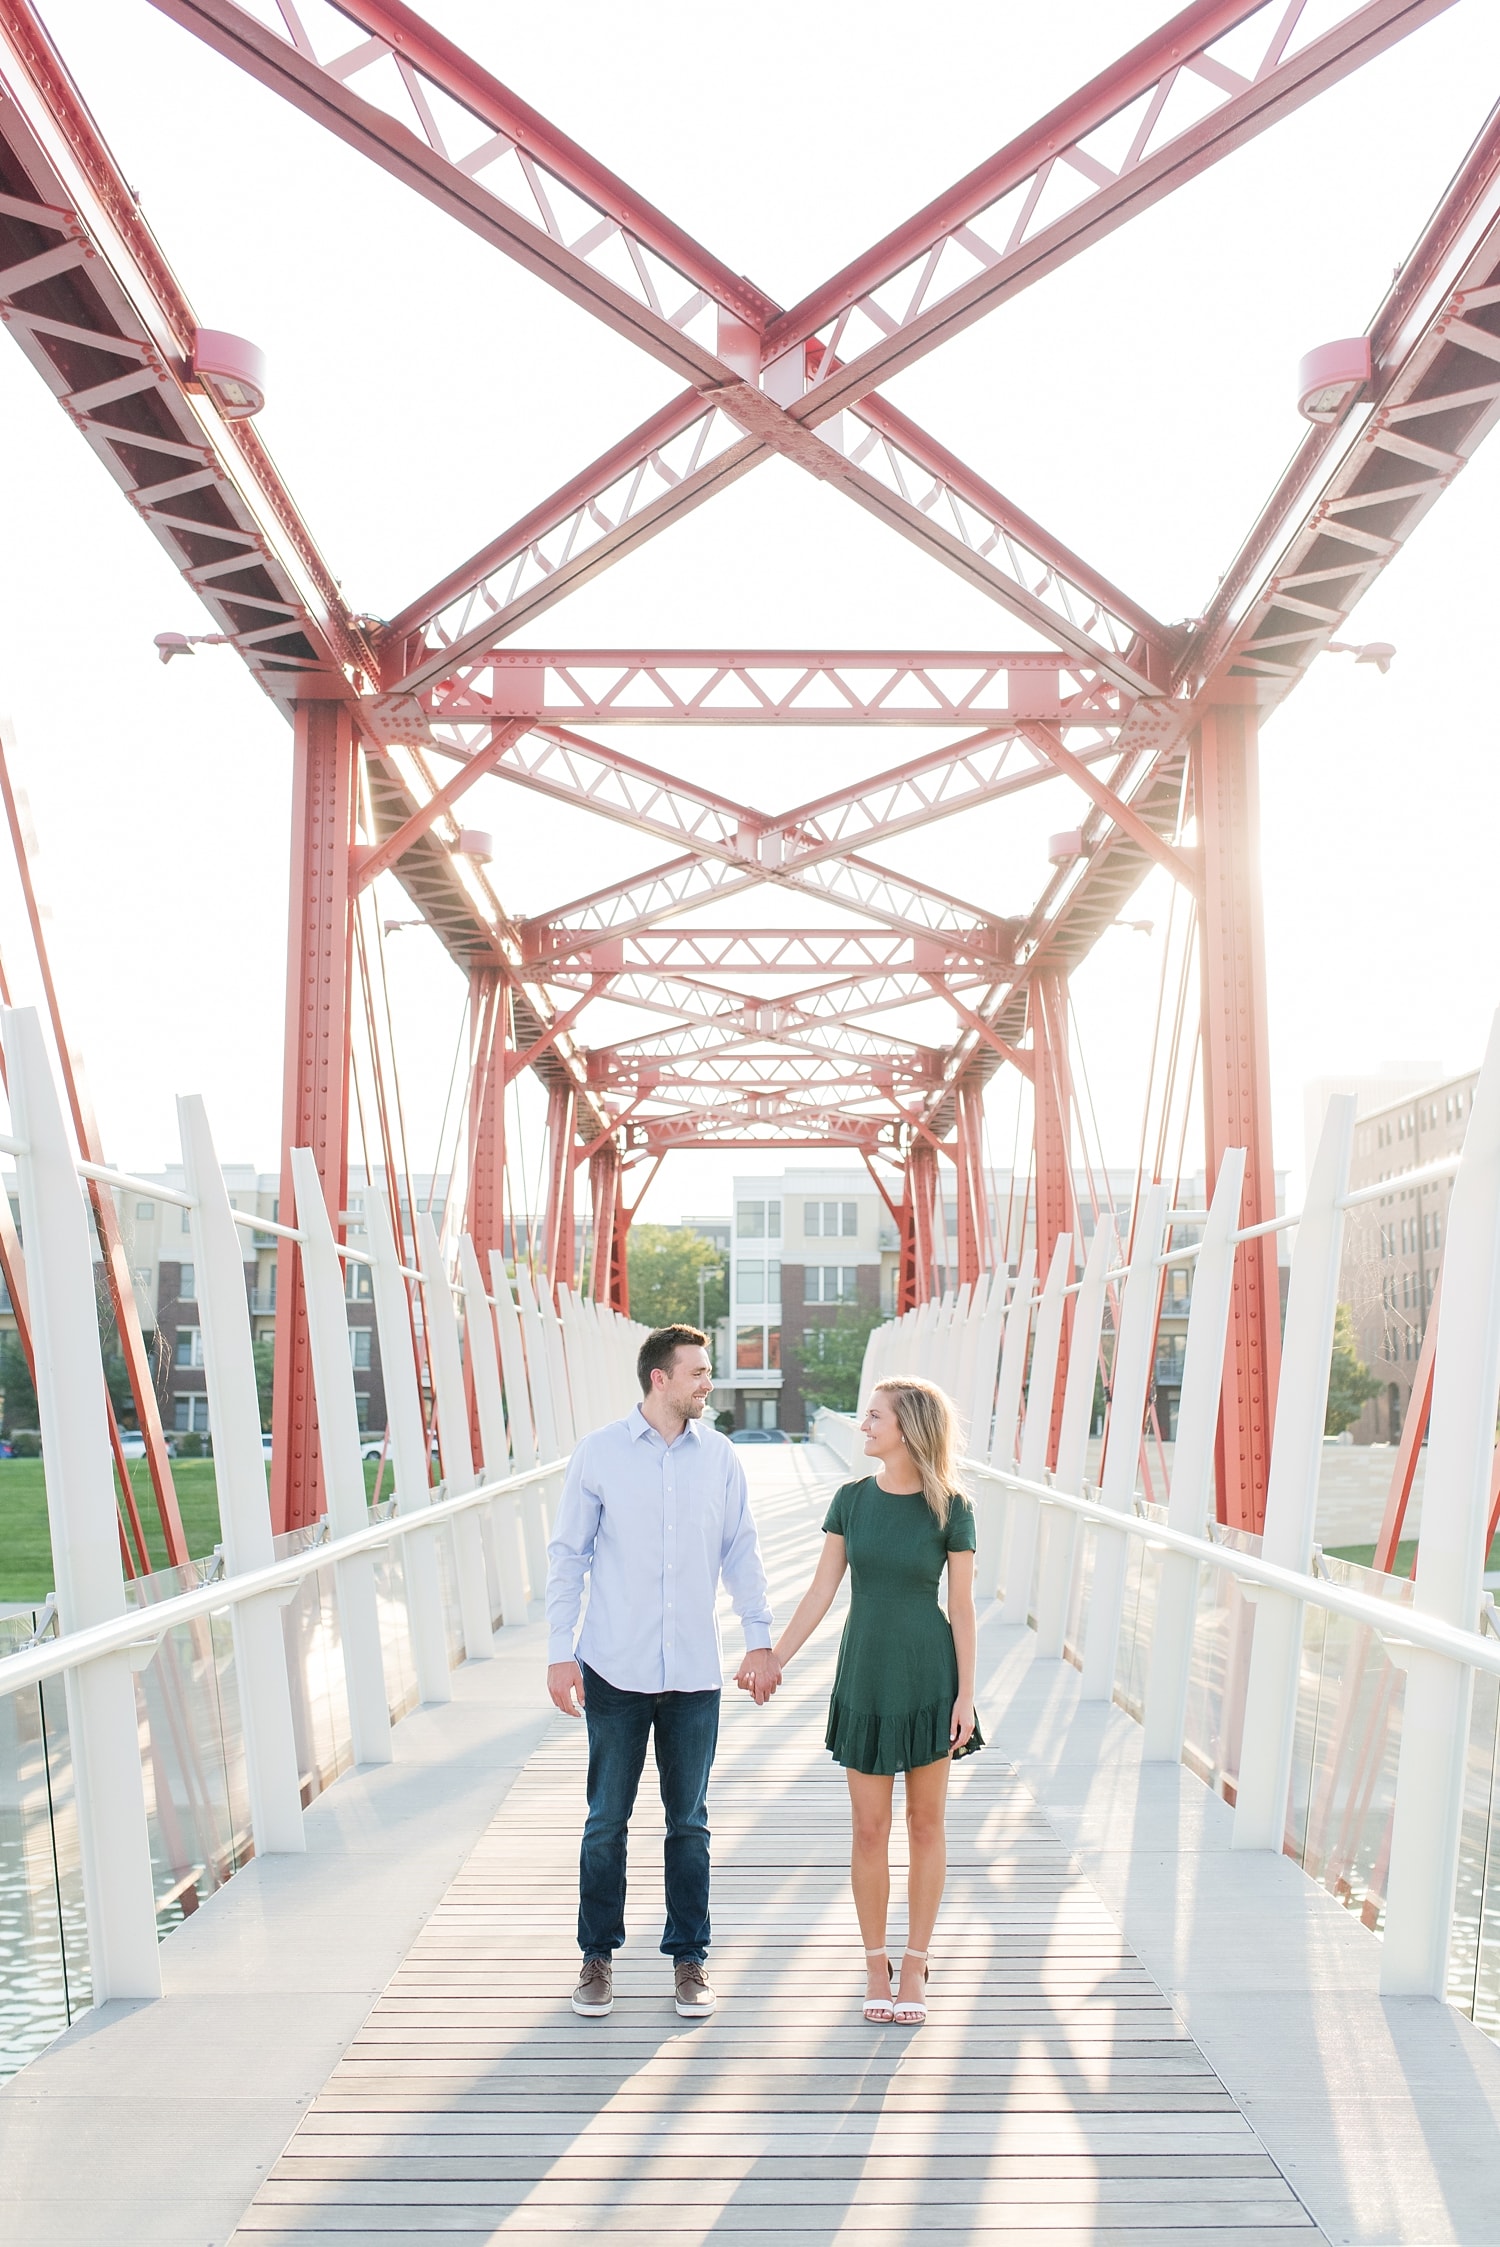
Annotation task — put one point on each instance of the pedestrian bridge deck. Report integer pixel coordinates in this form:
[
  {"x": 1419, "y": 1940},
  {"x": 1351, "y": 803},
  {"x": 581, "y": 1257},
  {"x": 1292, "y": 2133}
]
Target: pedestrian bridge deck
[{"x": 1134, "y": 2033}]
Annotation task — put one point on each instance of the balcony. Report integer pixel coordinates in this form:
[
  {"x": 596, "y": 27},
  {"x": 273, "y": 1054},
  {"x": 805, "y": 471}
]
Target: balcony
[{"x": 263, "y": 1302}]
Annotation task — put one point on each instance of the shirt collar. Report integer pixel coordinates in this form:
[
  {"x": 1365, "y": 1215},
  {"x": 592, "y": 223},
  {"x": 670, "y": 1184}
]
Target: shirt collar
[{"x": 639, "y": 1426}]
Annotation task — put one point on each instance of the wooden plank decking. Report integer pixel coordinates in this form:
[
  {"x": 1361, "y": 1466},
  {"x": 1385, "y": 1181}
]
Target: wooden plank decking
[{"x": 1053, "y": 2095}]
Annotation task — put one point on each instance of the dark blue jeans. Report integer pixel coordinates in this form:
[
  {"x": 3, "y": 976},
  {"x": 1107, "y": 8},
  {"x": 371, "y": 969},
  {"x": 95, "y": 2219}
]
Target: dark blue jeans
[{"x": 686, "y": 1730}]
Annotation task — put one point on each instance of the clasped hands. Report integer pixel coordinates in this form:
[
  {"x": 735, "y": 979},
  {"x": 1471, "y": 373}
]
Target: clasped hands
[{"x": 759, "y": 1675}]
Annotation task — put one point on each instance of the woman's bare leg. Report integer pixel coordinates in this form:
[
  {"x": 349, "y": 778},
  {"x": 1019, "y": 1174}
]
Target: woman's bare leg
[
  {"x": 927, "y": 1840},
  {"x": 870, "y": 1867}
]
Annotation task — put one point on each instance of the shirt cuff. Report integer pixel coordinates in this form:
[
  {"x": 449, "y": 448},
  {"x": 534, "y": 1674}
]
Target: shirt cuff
[
  {"x": 560, "y": 1647},
  {"x": 757, "y": 1638}
]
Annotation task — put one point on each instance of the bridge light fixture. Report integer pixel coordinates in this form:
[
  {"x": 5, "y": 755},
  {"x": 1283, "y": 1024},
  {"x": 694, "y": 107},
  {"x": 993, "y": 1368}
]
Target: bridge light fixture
[
  {"x": 1378, "y": 652},
  {"x": 232, "y": 371},
  {"x": 1331, "y": 378},
  {"x": 168, "y": 644},
  {"x": 1063, "y": 848},
  {"x": 475, "y": 843}
]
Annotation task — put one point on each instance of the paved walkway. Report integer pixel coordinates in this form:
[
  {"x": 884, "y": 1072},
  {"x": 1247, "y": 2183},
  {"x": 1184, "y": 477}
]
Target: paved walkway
[{"x": 1052, "y": 2096}]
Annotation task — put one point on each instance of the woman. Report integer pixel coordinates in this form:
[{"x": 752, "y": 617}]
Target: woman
[{"x": 903, "y": 1693}]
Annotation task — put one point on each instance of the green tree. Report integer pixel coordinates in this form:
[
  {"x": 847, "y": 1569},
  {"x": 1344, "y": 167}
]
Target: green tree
[
  {"x": 1350, "y": 1381},
  {"x": 265, "y": 1375},
  {"x": 663, "y": 1265},
  {"x": 832, "y": 1358}
]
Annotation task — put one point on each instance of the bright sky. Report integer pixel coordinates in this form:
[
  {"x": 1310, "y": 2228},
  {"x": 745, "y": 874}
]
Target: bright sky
[{"x": 425, "y": 392}]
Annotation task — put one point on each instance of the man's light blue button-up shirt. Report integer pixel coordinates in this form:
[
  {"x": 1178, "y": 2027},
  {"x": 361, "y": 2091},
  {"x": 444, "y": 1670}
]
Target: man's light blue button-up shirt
[{"x": 653, "y": 1526}]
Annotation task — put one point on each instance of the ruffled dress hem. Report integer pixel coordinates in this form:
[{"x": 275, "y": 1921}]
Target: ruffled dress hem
[{"x": 880, "y": 1746}]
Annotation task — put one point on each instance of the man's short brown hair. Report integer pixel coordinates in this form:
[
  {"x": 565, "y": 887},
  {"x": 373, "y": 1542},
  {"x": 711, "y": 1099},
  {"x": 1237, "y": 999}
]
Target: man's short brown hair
[{"x": 661, "y": 1347}]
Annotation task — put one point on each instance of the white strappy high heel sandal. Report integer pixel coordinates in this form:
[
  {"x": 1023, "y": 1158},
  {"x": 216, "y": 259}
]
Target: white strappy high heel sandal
[
  {"x": 910, "y": 2012},
  {"x": 880, "y": 2009}
]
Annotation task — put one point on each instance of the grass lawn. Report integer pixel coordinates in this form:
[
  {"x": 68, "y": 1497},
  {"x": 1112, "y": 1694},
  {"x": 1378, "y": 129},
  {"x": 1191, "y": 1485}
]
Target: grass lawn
[
  {"x": 1364, "y": 1555},
  {"x": 26, "y": 1549}
]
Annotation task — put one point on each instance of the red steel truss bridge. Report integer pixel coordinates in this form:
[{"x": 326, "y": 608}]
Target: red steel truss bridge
[{"x": 771, "y": 948}]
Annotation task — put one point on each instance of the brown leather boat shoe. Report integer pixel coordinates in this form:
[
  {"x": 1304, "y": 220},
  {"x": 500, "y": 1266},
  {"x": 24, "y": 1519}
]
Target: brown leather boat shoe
[
  {"x": 595, "y": 1993},
  {"x": 695, "y": 1992}
]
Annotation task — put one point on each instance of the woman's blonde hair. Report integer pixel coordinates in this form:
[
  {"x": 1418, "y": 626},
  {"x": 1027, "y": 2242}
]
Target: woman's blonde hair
[{"x": 928, "y": 1420}]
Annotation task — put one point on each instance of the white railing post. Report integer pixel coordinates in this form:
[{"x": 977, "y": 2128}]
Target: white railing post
[
  {"x": 1171, "y": 1659},
  {"x": 523, "y": 1435},
  {"x": 1265, "y": 1771},
  {"x": 409, "y": 1458},
  {"x": 505, "y": 1513},
  {"x": 991, "y": 1525},
  {"x": 1025, "y": 1510},
  {"x": 1059, "y": 1529},
  {"x": 343, "y": 1468},
  {"x": 1455, "y": 1516},
  {"x": 1130, "y": 1377},
  {"x": 271, "y": 1773},
  {"x": 454, "y": 1446},
  {"x": 557, "y": 1369},
  {"x": 103, "y": 1725},
  {"x": 538, "y": 1370},
  {"x": 978, "y": 1406}
]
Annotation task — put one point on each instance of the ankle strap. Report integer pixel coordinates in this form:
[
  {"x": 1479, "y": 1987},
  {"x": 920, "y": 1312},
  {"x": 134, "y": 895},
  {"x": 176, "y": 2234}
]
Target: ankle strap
[
  {"x": 910, "y": 1953},
  {"x": 881, "y": 1952}
]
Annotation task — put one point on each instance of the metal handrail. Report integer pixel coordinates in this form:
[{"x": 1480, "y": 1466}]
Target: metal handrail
[
  {"x": 146, "y": 1626},
  {"x": 1403, "y": 1626}
]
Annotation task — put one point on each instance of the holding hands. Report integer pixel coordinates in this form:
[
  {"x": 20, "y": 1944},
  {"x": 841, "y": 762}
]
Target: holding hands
[{"x": 759, "y": 1675}]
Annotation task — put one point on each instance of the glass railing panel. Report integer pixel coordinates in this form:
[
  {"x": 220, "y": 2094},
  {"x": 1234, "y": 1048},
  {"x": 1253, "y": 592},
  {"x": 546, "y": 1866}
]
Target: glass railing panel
[
  {"x": 1347, "y": 1743},
  {"x": 395, "y": 1622},
  {"x": 1138, "y": 1615},
  {"x": 44, "y": 1973},
  {"x": 315, "y": 1671},
  {"x": 1223, "y": 1634},
  {"x": 453, "y": 1621},
  {"x": 1085, "y": 1547},
  {"x": 197, "y": 1799},
  {"x": 1473, "y": 1964}
]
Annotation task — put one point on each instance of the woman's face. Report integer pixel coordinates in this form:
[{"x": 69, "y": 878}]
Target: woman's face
[{"x": 881, "y": 1429}]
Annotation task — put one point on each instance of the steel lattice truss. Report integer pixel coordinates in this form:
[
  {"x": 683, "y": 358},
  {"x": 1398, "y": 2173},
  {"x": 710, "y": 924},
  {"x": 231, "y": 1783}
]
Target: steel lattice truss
[{"x": 769, "y": 1034}]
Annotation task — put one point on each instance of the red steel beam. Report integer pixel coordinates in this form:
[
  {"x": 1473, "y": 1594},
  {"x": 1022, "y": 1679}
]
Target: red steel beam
[
  {"x": 316, "y": 1074},
  {"x": 1237, "y": 1092},
  {"x": 1023, "y": 245},
  {"x": 558, "y": 687},
  {"x": 413, "y": 149}
]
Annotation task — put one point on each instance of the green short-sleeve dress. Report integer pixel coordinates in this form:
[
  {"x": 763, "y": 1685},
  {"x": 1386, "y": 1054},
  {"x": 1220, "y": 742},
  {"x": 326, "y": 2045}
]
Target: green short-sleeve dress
[{"x": 897, "y": 1676}]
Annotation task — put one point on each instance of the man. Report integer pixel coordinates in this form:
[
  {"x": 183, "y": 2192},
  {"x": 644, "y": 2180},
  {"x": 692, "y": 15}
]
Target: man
[{"x": 654, "y": 1511}]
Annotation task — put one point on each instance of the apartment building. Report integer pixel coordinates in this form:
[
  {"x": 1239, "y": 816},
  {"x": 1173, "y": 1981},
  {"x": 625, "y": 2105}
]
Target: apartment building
[
  {"x": 1393, "y": 1247},
  {"x": 805, "y": 1243}
]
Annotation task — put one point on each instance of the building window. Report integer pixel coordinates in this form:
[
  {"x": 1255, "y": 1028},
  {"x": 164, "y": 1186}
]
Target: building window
[
  {"x": 359, "y": 1283},
  {"x": 187, "y": 1220},
  {"x": 190, "y": 1414},
  {"x": 187, "y": 1284},
  {"x": 362, "y": 1407},
  {"x": 145, "y": 1209},
  {"x": 758, "y": 1221},
  {"x": 829, "y": 1283},
  {"x": 750, "y": 1280},
  {"x": 830, "y": 1220},
  {"x": 359, "y": 1347},
  {"x": 749, "y": 1349},
  {"x": 189, "y": 1347}
]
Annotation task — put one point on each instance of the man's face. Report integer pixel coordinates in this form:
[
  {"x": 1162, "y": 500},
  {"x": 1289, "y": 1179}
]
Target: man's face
[{"x": 684, "y": 1389}]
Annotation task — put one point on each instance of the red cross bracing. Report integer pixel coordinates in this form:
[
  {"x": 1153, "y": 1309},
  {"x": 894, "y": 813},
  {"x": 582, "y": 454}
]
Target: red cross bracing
[{"x": 760, "y": 1026}]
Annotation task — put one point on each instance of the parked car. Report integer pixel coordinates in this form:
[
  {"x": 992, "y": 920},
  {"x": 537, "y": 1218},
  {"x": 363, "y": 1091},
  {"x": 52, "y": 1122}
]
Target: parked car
[
  {"x": 372, "y": 1448},
  {"x": 760, "y": 1435},
  {"x": 265, "y": 1449},
  {"x": 132, "y": 1443}
]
